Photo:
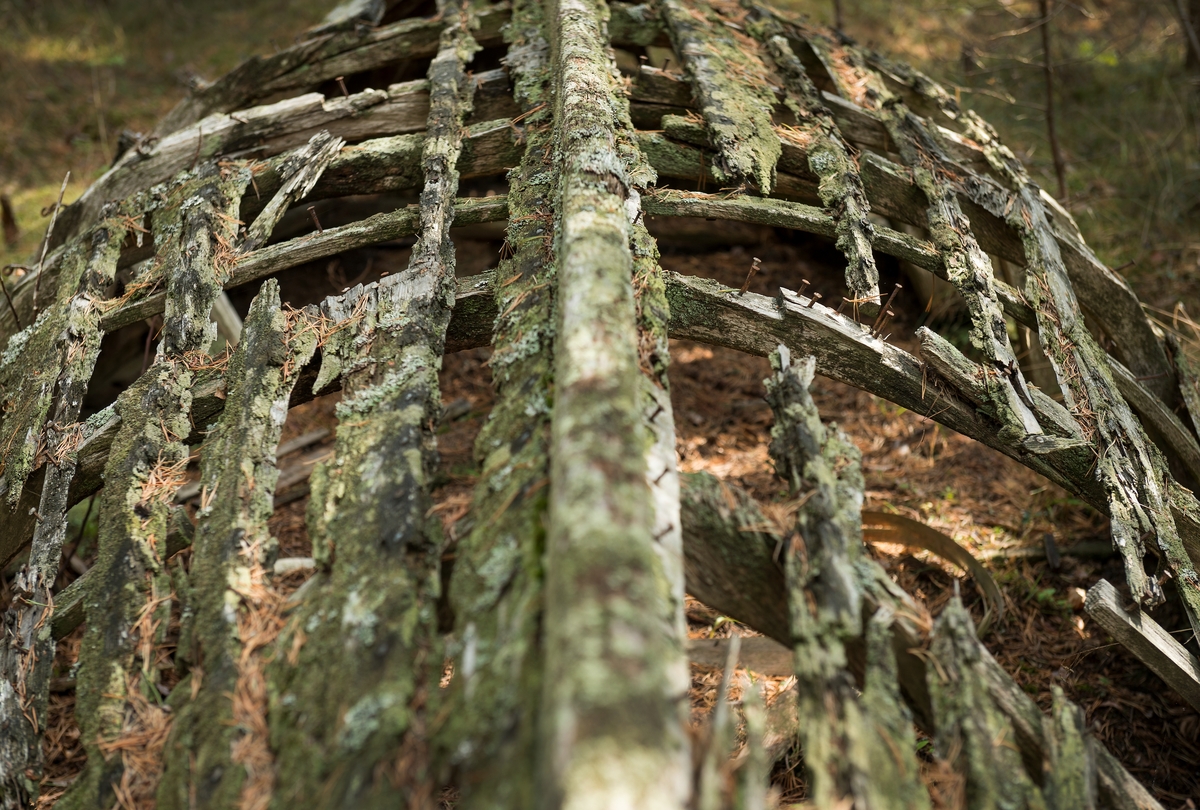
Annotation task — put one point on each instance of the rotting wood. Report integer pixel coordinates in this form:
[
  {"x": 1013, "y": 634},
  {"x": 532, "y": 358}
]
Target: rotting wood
[
  {"x": 233, "y": 552},
  {"x": 1153, "y": 645},
  {"x": 858, "y": 747},
  {"x": 489, "y": 726},
  {"x": 300, "y": 171},
  {"x": 130, "y": 592},
  {"x": 69, "y": 607},
  {"x": 718, "y": 539},
  {"x": 27, "y": 653},
  {"x": 1098, "y": 288},
  {"x": 801, "y": 217},
  {"x": 841, "y": 188},
  {"x": 947, "y": 386},
  {"x": 967, "y": 266},
  {"x": 734, "y": 89},
  {"x": 601, "y": 742},
  {"x": 364, "y": 740},
  {"x": 321, "y": 58},
  {"x": 272, "y": 259}
]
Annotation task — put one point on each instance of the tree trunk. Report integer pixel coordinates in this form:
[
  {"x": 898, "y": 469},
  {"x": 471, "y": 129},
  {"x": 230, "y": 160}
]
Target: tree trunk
[{"x": 536, "y": 657}]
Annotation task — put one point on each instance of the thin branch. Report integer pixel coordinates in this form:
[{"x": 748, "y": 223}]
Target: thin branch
[
  {"x": 1060, "y": 169},
  {"x": 37, "y": 282}
]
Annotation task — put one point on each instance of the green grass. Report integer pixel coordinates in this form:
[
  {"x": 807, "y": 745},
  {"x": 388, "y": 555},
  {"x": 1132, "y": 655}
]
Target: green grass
[{"x": 73, "y": 74}]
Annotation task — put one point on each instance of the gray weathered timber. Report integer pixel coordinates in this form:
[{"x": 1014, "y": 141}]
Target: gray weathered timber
[
  {"x": 1150, "y": 643},
  {"x": 717, "y": 539},
  {"x": 490, "y": 732},
  {"x": 551, "y": 615},
  {"x": 363, "y": 741},
  {"x": 801, "y": 217},
  {"x": 829, "y": 157},
  {"x": 608, "y": 603},
  {"x": 1098, "y": 288},
  {"x": 846, "y": 351},
  {"x": 299, "y": 171},
  {"x": 319, "y": 59},
  {"x": 857, "y": 747},
  {"x": 233, "y": 552},
  {"x": 27, "y": 654},
  {"x": 967, "y": 266},
  {"x": 734, "y": 89},
  {"x": 129, "y": 594},
  {"x": 973, "y": 732},
  {"x": 271, "y": 259},
  {"x": 379, "y": 165}
]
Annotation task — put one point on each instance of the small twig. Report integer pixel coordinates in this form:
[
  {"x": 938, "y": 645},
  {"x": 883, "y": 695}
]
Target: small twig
[
  {"x": 1060, "y": 169},
  {"x": 1190, "y": 30},
  {"x": 8, "y": 298},
  {"x": 37, "y": 282},
  {"x": 199, "y": 144}
]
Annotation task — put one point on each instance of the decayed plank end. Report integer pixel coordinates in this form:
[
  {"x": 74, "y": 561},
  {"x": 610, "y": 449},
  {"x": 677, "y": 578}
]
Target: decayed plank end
[{"x": 1147, "y": 639}]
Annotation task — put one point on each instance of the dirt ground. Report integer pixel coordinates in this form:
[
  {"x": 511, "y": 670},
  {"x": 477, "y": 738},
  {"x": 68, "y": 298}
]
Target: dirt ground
[{"x": 991, "y": 505}]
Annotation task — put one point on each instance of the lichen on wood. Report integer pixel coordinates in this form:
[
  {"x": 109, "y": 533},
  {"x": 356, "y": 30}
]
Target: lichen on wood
[
  {"x": 735, "y": 90},
  {"x": 233, "y": 550},
  {"x": 362, "y": 739},
  {"x": 857, "y": 747},
  {"x": 27, "y": 656},
  {"x": 130, "y": 592},
  {"x": 831, "y": 159},
  {"x": 608, "y": 604},
  {"x": 490, "y": 728}
]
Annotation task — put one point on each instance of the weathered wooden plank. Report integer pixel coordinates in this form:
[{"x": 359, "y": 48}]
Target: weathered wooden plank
[
  {"x": 857, "y": 747},
  {"x": 129, "y": 594},
  {"x": 299, "y": 171},
  {"x": 1155, "y": 414},
  {"x": 606, "y": 738},
  {"x": 1098, "y": 288},
  {"x": 362, "y": 740},
  {"x": 734, "y": 88},
  {"x": 829, "y": 158},
  {"x": 491, "y": 720},
  {"x": 274, "y": 258},
  {"x": 801, "y": 217},
  {"x": 233, "y": 551},
  {"x": 846, "y": 351},
  {"x": 1139, "y": 633},
  {"x": 973, "y": 733},
  {"x": 26, "y": 653},
  {"x": 318, "y": 59}
]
